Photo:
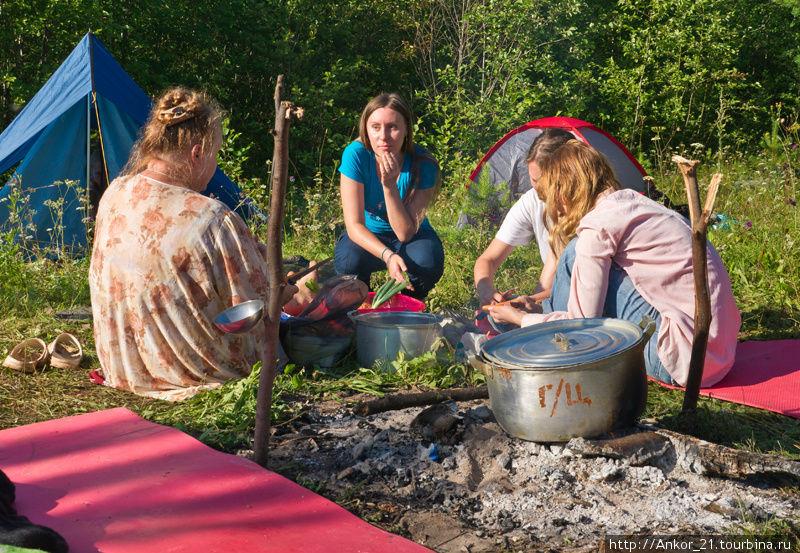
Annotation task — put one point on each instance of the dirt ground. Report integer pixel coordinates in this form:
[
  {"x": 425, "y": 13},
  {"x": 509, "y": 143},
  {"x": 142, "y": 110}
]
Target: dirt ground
[{"x": 448, "y": 477}]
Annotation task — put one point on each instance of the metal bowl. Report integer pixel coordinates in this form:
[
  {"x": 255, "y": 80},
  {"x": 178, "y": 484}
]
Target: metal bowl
[{"x": 241, "y": 317}]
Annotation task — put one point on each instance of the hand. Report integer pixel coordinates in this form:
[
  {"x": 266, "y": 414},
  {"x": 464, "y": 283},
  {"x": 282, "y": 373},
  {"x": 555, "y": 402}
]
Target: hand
[
  {"x": 506, "y": 313},
  {"x": 388, "y": 166},
  {"x": 531, "y": 304},
  {"x": 303, "y": 296},
  {"x": 287, "y": 292},
  {"x": 491, "y": 296},
  {"x": 397, "y": 268}
]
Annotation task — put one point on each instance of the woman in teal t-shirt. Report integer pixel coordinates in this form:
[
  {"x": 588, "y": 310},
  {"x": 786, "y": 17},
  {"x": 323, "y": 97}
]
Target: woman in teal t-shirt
[{"x": 387, "y": 184}]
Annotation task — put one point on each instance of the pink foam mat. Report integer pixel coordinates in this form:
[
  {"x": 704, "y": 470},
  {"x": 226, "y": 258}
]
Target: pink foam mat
[
  {"x": 765, "y": 375},
  {"x": 113, "y": 482}
]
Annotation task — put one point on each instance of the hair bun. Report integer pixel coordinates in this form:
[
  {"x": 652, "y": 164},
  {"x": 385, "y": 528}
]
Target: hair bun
[{"x": 175, "y": 115}]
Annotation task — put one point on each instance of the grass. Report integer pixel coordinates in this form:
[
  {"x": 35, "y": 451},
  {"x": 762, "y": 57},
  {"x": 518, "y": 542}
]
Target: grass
[{"x": 759, "y": 247}]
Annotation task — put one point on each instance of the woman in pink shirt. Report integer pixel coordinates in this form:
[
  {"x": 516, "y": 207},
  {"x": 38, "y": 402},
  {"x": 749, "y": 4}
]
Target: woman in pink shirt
[{"x": 623, "y": 255}]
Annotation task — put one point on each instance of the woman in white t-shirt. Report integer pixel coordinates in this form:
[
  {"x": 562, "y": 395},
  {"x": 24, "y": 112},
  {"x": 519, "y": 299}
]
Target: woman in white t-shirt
[{"x": 523, "y": 223}]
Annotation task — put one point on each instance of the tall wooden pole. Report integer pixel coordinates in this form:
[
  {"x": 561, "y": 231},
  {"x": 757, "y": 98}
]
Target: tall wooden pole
[
  {"x": 702, "y": 299},
  {"x": 284, "y": 111}
]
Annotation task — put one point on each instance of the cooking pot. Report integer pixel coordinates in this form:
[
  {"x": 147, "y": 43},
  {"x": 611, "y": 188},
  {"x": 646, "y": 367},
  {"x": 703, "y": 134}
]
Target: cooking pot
[
  {"x": 564, "y": 379},
  {"x": 380, "y": 335}
]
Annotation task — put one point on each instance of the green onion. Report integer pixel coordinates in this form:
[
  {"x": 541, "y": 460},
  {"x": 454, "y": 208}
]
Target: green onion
[
  {"x": 312, "y": 285},
  {"x": 387, "y": 291}
]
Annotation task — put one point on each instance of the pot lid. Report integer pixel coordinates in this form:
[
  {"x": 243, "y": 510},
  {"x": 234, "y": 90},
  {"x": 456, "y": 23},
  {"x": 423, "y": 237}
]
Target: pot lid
[{"x": 556, "y": 344}]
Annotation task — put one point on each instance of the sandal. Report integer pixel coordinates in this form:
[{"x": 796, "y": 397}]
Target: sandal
[
  {"x": 28, "y": 355},
  {"x": 65, "y": 351}
]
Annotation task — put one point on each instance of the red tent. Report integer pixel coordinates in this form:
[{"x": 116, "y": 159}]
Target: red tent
[{"x": 506, "y": 159}]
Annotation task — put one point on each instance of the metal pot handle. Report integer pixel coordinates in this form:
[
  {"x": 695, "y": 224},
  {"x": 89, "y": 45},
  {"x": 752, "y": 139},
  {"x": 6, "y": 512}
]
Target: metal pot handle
[
  {"x": 479, "y": 365},
  {"x": 648, "y": 326}
]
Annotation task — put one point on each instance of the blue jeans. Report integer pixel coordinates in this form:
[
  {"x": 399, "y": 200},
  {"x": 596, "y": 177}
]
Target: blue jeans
[
  {"x": 423, "y": 255},
  {"x": 623, "y": 301}
]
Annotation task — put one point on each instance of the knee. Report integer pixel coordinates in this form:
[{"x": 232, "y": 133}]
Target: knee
[
  {"x": 425, "y": 267},
  {"x": 425, "y": 258},
  {"x": 349, "y": 258}
]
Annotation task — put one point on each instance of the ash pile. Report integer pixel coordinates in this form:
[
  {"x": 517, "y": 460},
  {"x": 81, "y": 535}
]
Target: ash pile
[{"x": 450, "y": 478}]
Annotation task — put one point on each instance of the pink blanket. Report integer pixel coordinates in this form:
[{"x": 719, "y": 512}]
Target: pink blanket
[
  {"x": 765, "y": 375},
  {"x": 112, "y": 482}
]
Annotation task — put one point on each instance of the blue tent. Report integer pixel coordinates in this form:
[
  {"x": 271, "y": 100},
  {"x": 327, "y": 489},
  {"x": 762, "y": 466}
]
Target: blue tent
[{"x": 50, "y": 139}]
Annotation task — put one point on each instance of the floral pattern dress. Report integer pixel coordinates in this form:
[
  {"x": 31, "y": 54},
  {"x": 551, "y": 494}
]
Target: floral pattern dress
[{"x": 166, "y": 261}]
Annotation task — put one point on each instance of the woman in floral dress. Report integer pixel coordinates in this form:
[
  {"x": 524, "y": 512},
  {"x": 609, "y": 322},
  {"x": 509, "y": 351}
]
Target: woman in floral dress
[{"x": 168, "y": 259}]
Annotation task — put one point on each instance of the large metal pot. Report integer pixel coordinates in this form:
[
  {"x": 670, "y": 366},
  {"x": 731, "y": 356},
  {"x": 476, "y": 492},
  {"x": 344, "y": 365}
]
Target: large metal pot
[
  {"x": 564, "y": 379},
  {"x": 382, "y": 334}
]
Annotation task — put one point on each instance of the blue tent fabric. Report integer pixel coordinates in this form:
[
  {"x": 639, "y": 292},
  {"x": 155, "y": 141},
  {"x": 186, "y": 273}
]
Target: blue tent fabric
[
  {"x": 119, "y": 133},
  {"x": 51, "y": 186},
  {"x": 71, "y": 82},
  {"x": 50, "y": 137}
]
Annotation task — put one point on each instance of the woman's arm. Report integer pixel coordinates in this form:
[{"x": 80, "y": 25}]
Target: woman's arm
[
  {"x": 594, "y": 253},
  {"x": 486, "y": 267},
  {"x": 404, "y": 219},
  {"x": 546, "y": 277},
  {"x": 353, "y": 209}
]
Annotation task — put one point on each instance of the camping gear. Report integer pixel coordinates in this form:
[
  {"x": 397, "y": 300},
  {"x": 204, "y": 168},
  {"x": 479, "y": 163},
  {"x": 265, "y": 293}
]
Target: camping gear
[
  {"x": 297, "y": 276},
  {"x": 110, "y": 481},
  {"x": 28, "y": 355},
  {"x": 65, "y": 351},
  {"x": 322, "y": 348},
  {"x": 81, "y": 313},
  {"x": 20, "y": 534},
  {"x": 398, "y": 302},
  {"x": 89, "y": 92},
  {"x": 766, "y": 375},
  {"x": 507, "y": 170},
  {"x": 506, "y": 159},
  {"x": 241, "y": 317},
  {"x": 380, "y": 336},
  {"x": 338, "y": 294},
  {"x": 322, "y": 334},
  {"x": 564, "y": 379}
]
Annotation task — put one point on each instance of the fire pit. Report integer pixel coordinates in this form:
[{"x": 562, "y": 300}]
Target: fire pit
[{"x": 468, "y": 486}]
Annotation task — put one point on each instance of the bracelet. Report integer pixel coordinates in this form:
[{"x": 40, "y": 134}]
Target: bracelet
[{"x": 383, "y": 252}]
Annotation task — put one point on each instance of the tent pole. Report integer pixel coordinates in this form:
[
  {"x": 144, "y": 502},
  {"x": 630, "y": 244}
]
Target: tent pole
[
  {"x": 100, "y": 135},
  {"x": 88, "y": 146}
]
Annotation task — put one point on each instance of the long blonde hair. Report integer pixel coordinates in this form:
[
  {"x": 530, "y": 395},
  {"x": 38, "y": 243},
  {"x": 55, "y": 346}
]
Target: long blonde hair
[
  {"x": 573, "y": 176},
  {"x": 178, "y": 120}
]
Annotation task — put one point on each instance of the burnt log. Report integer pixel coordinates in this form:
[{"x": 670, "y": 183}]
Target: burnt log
[{"x": 402, "y": 401}]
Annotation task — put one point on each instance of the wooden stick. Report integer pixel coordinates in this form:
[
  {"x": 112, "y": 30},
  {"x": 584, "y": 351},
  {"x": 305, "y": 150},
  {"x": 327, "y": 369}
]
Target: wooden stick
[
  {"x": 401, "y": 401},
  {"x": 280, "y": 161},
  {"x": 485, "y": 307},
  {"x": 702, "y": 302}
]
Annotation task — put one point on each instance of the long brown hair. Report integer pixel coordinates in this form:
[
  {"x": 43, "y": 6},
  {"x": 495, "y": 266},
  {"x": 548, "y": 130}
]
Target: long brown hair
[
  {"x": 178, "y": 120},
  {"x": 573, "y": 176},
  {"x": 395, "y": 102},
  {"x": 548, "y": 141}
]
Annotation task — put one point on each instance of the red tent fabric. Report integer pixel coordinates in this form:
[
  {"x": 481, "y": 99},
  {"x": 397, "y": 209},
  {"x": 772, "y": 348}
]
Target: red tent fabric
[{"x": 506, "y": 159}]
